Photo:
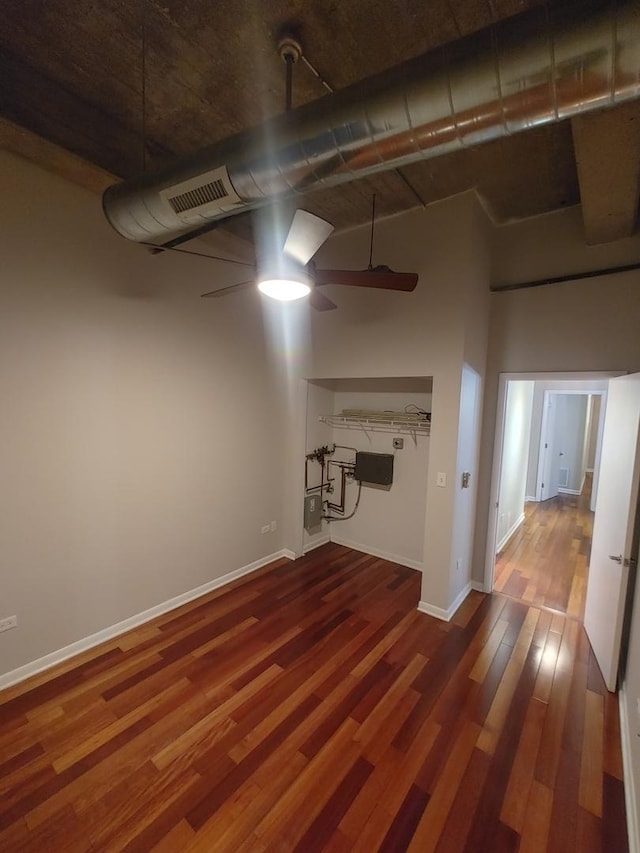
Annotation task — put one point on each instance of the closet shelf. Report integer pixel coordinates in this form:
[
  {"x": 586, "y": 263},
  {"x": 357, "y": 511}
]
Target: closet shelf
[{"x": 380, "y": 423}]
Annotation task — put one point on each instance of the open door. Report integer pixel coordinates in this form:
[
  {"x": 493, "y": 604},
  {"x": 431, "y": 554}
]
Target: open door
[
  {"x": 550, "y": 462},
  {"x": 613, "y": 526}
]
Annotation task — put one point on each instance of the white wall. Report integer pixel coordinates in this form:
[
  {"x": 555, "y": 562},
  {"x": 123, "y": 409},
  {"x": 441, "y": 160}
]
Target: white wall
[
  {"x": 515, "y": 455},
  {"x": 320, "y": 402},
  {"x": 390, "y": 520},
  {"x": 596, "y": 387},
  {"x": 588, "y": 325},
  {"x": 569, "y": 437},
  {"x": 424, "y": 333},
  {"x": 141, "y": 436},
  {"x": 592, "y": 431},
  {"x": 465, "y": 496}
]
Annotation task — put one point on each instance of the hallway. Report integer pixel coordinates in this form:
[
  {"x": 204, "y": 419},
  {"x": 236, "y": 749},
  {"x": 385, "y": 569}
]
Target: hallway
[{"x": 546, "y": 562}]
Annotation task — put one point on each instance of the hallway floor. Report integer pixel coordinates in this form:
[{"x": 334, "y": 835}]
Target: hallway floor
[{"x": 546, "y": 562}]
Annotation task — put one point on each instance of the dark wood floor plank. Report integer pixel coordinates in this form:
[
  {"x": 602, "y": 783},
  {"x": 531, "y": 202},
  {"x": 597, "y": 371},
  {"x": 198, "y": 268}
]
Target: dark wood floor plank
[{"x": 310, "y": 706}]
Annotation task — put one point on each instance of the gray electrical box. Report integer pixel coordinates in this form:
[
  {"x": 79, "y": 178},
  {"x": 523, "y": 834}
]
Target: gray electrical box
[
  {"x": 312, "y": 511},
  {"x": 374, "y": 468}
]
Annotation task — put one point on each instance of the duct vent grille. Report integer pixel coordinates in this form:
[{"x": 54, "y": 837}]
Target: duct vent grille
[
  {"x": 204, "y": 197},
  {"x": 195, "y": 198}
]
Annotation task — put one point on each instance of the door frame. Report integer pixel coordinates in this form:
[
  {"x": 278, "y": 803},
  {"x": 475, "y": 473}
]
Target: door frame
[{"x": 496, "y": 468}]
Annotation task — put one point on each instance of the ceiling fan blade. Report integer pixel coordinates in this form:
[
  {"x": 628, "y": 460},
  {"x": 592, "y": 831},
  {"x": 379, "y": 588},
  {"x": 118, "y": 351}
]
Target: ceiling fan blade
[
  {"x": 307, "y": 233},
  {"x": 380, "y": 277},
  {"x": 223, "y": 291},
  {"x": 321, "y": 302}
]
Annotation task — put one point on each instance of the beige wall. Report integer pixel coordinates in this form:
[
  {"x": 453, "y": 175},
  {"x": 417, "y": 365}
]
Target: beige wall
[
  {"x": 589, "y": 325},
  {"x": 141, "y": 444},
  {"x": 517, "y": 435},
  {"x": 424, "y": 333},
  {"x": 389, "y": 520}
]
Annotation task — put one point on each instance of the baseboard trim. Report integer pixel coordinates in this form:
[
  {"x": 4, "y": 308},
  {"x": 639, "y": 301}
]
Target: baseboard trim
[
  {"x": 375, "y": 552},
  {"x": 317, "y": 543},
  {"x": 448, "y": 614},
  {"x": 47, "y": 661},
  {"x": 627, "y": 772},
  {"x": 285, "y": 552},
  {"x": 511, "y": 532},
  {"x": 564, "y": 491}
]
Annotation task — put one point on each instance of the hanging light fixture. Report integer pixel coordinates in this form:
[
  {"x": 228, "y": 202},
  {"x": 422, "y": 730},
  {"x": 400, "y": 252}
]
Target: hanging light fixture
[{"x": 285, "y": 288}]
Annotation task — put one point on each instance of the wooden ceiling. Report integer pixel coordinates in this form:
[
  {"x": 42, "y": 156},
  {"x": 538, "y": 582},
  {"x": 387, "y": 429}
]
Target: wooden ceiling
[{"x": 126, "y": 86}]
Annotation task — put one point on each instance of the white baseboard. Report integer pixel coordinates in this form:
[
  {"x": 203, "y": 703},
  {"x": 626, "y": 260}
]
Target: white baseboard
[
  {"x": 310, "y": 546},
  {"x": 563, "y": 491},
  {"x": 46, "y": 662},
  {"x": 448, "y": 614},
  {"x": 627, "y": 770},
  {"x": 284, "y": 552},
  {"x": 529, "y": 498},
  {"x": 375, "y": 552},
  {"x": 509, "y": 533}
]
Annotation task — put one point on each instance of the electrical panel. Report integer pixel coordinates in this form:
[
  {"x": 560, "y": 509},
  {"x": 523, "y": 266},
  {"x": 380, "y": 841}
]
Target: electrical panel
[
  {"x": 374, "y": 468},
  {"x": 312, "y": 511}
]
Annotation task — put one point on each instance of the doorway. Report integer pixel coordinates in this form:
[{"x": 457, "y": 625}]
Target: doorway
[{"x": 545, "y": 484}]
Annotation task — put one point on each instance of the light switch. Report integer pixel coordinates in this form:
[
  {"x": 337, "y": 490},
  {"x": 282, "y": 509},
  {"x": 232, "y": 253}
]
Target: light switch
[{"x": 441, "y": 479}]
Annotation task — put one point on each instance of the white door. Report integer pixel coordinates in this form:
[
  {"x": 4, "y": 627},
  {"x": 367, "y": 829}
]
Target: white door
[
  {"x": 613, "y": 524},
  {"x": 550, "y": 467}
]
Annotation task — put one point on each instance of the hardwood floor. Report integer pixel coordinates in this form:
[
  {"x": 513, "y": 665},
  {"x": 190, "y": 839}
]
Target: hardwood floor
[
  {"x": 311, "y": 707},
  {"x": 546, "y": 561}
]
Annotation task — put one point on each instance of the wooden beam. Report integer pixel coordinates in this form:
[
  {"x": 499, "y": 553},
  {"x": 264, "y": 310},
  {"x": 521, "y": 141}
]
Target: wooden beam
[
  {"x": 607, "y": 146},
  {"x": 53, "y": 157}
]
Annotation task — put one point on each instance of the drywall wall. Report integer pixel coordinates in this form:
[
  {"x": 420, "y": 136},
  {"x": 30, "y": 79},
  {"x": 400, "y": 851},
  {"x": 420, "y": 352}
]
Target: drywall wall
[
  {"x": 423, "y": 333},
  {"x": 515, "y": 455},
  {"x": 390, "y": 519},
  {"x": 591, "y": 442},
  {"x": 465, "y": 490},
  {"x": 320, "y": 402},
  {"x": 141, "y": 431},
  {"x": 569, "y": 436},
  {"x": 595, "y": 387},
  {"x": 587, "y": 325}
]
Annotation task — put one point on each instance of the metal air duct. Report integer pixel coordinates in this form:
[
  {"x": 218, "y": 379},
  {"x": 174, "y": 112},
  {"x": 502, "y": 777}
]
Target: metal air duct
[{"x": 536, "y": 68}]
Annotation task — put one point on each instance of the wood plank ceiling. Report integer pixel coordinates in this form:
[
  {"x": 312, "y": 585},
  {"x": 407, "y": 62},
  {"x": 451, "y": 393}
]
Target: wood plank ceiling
[{"x": 127, "y": 86}]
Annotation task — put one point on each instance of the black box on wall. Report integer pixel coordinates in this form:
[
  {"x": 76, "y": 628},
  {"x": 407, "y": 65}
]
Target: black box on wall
[{"x": 374, "y": 468}]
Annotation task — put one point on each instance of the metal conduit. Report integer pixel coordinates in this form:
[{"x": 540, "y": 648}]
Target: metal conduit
[{"x": 539, "y": 67}]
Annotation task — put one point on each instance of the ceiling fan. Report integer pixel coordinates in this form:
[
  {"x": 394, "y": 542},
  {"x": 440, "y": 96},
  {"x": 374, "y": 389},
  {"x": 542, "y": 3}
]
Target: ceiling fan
[{"x": 291, "y": 274}]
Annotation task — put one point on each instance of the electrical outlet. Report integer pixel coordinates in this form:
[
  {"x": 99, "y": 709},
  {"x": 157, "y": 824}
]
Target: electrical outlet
[
  {"x": 266, "y": 528},
  {"x": 273, "y": 526},
  {"x": 8, "y": 622}
]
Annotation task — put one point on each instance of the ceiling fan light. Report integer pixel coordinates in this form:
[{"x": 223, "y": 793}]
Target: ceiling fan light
[{"x": 284, "y": 289}]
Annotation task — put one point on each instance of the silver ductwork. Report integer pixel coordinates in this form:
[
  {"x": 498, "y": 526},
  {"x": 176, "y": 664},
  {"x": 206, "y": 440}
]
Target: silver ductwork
[{"x": 533, "y": 69}]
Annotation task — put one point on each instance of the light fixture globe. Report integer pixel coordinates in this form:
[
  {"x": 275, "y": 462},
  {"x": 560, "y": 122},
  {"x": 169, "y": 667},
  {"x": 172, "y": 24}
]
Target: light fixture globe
[
  {"x": 285, "y": 280},
  {"x": 284, "y": 289}
]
